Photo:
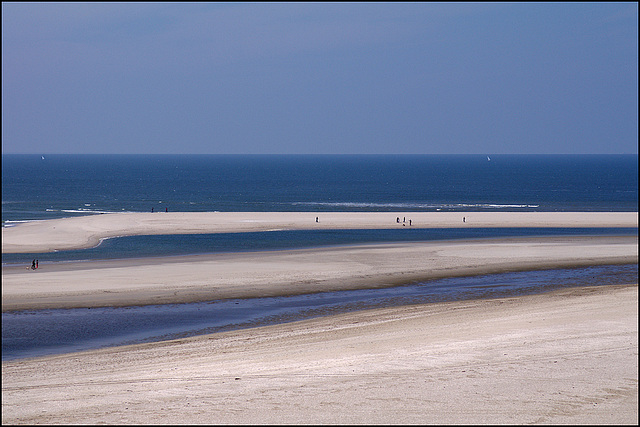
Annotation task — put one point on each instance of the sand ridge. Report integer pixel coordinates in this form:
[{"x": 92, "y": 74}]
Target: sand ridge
[
  {"x": 86, "y": 231},
  {"x": 277, "y": 273}
]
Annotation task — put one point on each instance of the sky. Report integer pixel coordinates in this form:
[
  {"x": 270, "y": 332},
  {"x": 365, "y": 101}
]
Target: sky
[{"x": 320, "y": 78}]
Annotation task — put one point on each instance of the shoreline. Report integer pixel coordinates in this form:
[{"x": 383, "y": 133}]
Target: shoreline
[
  {"x": 200, "y": 278},
  {"x": 563, "y": 357},
  {"x": 52, "y": 258},
  {"x": 293, "y": 308},
  {"x": 86, "y": 231}
]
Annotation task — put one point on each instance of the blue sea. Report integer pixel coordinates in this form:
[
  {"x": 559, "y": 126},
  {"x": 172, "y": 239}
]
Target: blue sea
[{"x": 55, "y": 186}]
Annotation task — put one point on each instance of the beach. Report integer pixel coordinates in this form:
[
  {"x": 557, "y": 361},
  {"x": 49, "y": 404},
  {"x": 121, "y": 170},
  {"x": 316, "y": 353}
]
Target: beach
[
  {"x": 276, "y": 273},
  {"x": 569, "y": 356},
  {"x": 86, "y": 231},
  {"x": 208, "y": 277},
  {"x": 566, "y": 357}
]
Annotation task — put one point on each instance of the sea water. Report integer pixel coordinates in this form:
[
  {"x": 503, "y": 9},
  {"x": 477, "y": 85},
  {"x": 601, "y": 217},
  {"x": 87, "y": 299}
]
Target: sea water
[{"x": 57, "y": 186}]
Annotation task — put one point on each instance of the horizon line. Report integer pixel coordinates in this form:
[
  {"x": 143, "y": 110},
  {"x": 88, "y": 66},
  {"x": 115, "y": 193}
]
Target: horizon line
[{"x": 319, "y": 154}]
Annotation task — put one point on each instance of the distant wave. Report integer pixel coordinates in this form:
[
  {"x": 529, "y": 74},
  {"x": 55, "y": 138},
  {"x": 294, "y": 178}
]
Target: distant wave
[
  {"x": 82, "y": 210},
  {"x": 12, "y": 223},
  {"x": 416, "y": 205}
]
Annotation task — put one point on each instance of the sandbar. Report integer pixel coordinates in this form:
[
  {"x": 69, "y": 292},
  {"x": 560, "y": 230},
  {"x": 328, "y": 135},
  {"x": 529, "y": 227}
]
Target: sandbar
[
  {"x": 210, "y": 277},
  {"x": 86, "y": 231},
  {"x": 566, "y": 357}
]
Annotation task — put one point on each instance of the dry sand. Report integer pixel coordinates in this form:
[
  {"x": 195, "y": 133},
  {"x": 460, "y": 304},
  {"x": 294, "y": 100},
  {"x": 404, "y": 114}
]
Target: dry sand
[
  {"x": 569, "y": 357},
  {"x": 269, "y": 273},
  {"x": 86, "y": 231},
  {"x": 274, "y": 273},
  {"x": 566, "y": 357}
]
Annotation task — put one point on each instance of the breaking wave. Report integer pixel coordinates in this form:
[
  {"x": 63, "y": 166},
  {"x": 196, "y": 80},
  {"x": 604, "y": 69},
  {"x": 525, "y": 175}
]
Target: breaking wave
[{"x": 436, "y": 206}]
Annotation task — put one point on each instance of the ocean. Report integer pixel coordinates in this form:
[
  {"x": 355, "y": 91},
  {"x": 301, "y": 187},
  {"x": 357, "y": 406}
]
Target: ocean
[{"x": 56, "y": 186}]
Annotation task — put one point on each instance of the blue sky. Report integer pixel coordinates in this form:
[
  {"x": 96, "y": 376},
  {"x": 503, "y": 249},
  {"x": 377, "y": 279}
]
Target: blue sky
[{"x": 320, "y": 78}]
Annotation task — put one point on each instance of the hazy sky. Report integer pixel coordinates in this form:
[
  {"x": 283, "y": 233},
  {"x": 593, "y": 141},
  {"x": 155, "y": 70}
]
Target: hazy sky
[{"x": 334, "y": 78}]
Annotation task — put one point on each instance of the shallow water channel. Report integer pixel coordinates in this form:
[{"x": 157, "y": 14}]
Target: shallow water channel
[{"x": 34, "y": 333}]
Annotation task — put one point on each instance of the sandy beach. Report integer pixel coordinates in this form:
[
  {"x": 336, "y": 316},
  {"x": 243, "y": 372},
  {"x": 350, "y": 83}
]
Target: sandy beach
[
  {"x": 275, "y": 273},
  {"x": 564, "y": 357},
  {"x": 568, "y": 357},
  {"x": 86, "y": 231},
  {"x": 270, "y": 273}
]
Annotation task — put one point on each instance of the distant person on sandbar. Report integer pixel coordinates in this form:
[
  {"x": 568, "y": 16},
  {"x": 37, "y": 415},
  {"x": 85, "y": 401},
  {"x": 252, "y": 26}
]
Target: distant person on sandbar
[
  {"x": 33, "y": 264},
  {"x": 398, "y": 219},
  {"x": 464, "y": 219},
  {"x": 36, "y": 264},
  {"x": 151, "y": 210},
  {"x": 166, "y": 209},
  {"x": 409, "y": 223},
  {"x": 316, "y": 219}
]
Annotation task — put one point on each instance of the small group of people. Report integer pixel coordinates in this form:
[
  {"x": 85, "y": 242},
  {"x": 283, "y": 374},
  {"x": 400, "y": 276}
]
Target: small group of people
[
  {"x": 165, "y": 209},
  {"x": 404, "y": 220},
  {"x": 34, "y": 264}
]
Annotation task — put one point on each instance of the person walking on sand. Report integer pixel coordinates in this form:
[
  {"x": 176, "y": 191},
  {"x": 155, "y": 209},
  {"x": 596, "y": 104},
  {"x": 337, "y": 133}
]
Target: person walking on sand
[
  {"x": 33, "y": 264},
  {"x": 36, "y": 264}
]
